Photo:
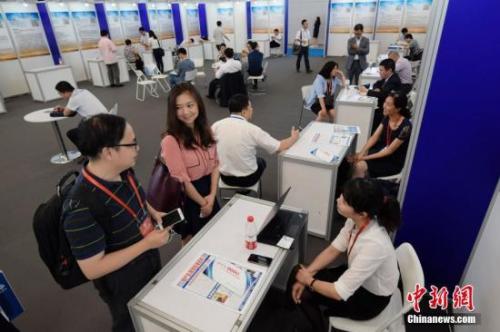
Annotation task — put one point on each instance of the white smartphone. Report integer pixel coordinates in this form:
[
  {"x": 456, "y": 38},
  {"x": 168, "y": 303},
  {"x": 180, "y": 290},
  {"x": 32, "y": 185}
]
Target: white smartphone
[{"x": 172, "y": 218}]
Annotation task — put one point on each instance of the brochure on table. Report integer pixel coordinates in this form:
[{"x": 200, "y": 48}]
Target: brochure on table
[
  {"x": 324, "y": 142},
  {"x": 219, "y": 280}
]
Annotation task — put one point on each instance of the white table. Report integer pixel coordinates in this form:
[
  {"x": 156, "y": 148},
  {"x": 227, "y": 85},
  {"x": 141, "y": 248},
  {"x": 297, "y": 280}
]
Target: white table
[
  {"x": 195, "y": 51},
  {"x": 353, "y": 109},
  {"x": 313, "y": 181},
  {"x": 163, "y": 306},
  {"x": 374, "y": 48},
  {"x": 403, "y": 50},
  {"x": 43, "y": 116},
  {"x": 369, "y": 76},
  {"x": 99, "y": 71},
  {"x": 209, "y": 50},
  {"x": 168, "y": 60},
  {"x": 42, "y": 81}
]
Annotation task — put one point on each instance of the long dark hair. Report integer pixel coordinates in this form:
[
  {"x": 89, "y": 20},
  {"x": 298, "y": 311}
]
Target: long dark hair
[
  {"x": 178, "y": 129},
  {"x": 401, "y": 103},
  {"x": 152, "y": 34},
  {"x": 327, "y": 69},
  {"x": 366, "y": 195}
]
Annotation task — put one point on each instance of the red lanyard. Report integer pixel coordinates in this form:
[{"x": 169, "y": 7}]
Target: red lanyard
[
  {"x": 96, "y": 183},
  {"x": 362, "y": 228}
]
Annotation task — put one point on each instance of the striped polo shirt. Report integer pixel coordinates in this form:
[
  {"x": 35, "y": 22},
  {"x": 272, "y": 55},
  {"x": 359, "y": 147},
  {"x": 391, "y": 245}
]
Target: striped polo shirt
[{"x": 86, "y": 236}]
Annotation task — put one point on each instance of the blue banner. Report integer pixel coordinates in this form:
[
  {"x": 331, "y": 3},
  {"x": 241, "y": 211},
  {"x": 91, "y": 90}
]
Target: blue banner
[
  {"x": 202, "y": 12},
  {"x": 101, "y": 16},
  {"x": 143, "y": 14},
  {"x": 176, "y": 13},
  {"x": 49, "y": 33}
]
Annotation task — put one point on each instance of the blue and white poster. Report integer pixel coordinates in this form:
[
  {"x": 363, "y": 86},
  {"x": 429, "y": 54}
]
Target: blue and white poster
[
  {"x": 63, "y": 29},
  {"x": 417, "y": 15},
  {"x": 260, "y": 17},
  {"x": 7, "y": 51},
  {"x": 276, "y": 17},
  {"x": 390, "y": 15},
  {"x": 87, "y": 28},
  {"x": 166, "y": 23},
  {"x": 193, "y": 21},
  {"x": 130, "y": 24},
  {"x": 365, "y": 13},
  {"x": 341, "y": 16},
  {"x": 115, "y": 27},
  {"x": 225, "y": 14},
  {"x": 28, "y": 34}
]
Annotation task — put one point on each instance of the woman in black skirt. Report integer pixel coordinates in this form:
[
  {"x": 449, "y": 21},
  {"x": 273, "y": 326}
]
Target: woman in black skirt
[
  {"x": 385, "y": 152},
  {"x": 363, "y": 288}
]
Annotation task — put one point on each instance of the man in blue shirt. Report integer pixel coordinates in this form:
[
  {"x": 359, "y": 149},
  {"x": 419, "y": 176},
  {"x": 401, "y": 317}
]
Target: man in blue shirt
[
  {"x": 255, "y": 58},
  {"x": 184, "y": 65}
]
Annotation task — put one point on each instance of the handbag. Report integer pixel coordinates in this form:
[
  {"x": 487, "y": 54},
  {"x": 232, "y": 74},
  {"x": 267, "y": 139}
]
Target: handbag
[
  {"x": 165, "y": 193},
  {"x": 296, "y": 47}
]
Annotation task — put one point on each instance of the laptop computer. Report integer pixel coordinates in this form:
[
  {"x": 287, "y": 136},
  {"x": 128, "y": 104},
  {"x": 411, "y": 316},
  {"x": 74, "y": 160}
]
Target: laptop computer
[{"x": 279, "y": 223}]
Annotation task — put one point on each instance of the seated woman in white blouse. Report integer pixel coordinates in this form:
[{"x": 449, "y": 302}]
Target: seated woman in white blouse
[{"x": 363, "y": 288}]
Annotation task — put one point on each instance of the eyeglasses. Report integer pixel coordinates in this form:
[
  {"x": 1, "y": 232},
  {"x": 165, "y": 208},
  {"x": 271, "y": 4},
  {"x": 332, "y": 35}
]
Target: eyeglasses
[{"x": 135, "y": 144}]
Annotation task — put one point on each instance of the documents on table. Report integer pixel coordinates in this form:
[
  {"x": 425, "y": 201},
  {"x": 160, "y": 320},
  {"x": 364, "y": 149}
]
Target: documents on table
[{"x": 221, "y": 281}]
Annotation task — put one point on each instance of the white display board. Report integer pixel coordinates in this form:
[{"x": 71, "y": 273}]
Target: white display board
[
  {"x": 339, "y": 26},
  {"x": 364, "y": 13},
  {"x": 161, "y": 22},
  {"x": 130, "y": 21},
  {"x": 191, "y": 28},
  {"x": 7, "y": 51},
  {"x": 114, "y": 24},
  {"x": 225, "y": 12},
  {"x": 86, "y": 24}
]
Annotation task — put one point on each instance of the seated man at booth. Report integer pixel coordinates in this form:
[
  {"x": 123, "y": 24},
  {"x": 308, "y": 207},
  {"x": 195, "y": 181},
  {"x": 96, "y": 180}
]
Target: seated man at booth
[
  {"x": 184, "y": 65},
  {"x": 237, "y": 141},
  {"x": 80, "y": 101},
  {"x": 132, "y": 55},
  {"x": 228, "y": 67},
  {"x": 403, "y": 69},
  {"x": 389, "y": 81},
  {"x": 255, "y": 58}
]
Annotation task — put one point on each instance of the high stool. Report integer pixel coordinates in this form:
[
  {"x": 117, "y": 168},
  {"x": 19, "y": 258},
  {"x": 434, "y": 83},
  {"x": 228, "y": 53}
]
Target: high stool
[{"x": 256, "y": 188}]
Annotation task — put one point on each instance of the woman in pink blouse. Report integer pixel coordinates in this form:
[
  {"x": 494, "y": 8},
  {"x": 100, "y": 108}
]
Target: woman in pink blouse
[{"x": 190, "y": 154}]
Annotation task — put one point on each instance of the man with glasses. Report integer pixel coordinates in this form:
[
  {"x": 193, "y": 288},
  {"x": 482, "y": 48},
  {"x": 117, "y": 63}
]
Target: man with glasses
[
  {"x": 80, "y": 101},
  {"x": 117, "y": 250}
]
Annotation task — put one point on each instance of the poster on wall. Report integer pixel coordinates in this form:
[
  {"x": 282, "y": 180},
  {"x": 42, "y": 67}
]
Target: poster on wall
[
  {"x": 87, "y": 28},
  {"x": 7, "y": 51},
  {"x": 130, "y": 24},
  {"x": 225, "y": 14},
  {"x": 165, "y": 23},
  {"x": 154, "y": 22},
  {"x": 390, "y": 15},
  {"x": 193, "y": 21},
  {"x": 63, "y": 29},
  {"x": 28, "y": 34},
  {"x": 276, "y": 16},
  {"x": 115, "y": 27},
  {"x": 365, "y": 13},
  {"x": 340, "y": 16},
  {"x": 417, "y": 15},
  {"x": 260, "y": 17}
]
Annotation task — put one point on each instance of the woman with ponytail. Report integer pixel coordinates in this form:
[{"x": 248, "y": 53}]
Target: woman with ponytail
[{"x": 363, "y": 288}]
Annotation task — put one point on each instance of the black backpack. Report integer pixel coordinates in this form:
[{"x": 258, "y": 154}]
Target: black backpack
[{"x": 48, "y": 227}]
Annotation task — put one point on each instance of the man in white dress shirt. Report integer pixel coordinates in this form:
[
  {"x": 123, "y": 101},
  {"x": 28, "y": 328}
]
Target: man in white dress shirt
[
  {"x": 219, "y": 35},
  {"x": 228, "y": 67},
  {"x": 237, "y": 140},
  {"x": 302, "y": 38}
]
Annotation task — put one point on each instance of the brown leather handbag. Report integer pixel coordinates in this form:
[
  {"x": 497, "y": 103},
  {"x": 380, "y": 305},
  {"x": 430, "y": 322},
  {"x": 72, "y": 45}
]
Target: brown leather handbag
[{"x": 165, "y": 193}]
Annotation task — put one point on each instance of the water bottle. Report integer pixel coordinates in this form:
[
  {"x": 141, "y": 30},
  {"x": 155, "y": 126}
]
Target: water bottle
[{"x": 250, "y": 234}]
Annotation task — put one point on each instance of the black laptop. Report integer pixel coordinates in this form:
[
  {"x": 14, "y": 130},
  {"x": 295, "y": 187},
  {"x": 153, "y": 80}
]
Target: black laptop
[{"x": 279, "y": 223}]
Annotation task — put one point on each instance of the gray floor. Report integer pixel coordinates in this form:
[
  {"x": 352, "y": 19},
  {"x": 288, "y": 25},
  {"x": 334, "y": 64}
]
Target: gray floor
[{"x": 28, "y": 178}]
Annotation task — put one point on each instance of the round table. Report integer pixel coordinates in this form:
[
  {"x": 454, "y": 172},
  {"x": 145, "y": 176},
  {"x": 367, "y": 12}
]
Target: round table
[{"x": 43, "y": 116}]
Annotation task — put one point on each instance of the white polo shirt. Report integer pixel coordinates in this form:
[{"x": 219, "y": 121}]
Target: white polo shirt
[
  {"x": 85, "y": 103},
  {"x": 237, "y": 140},
  {"x": 371, "y": 263}
]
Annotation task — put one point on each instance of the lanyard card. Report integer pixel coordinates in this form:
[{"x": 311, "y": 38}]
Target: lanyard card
[{"x": 9, "y": 302}]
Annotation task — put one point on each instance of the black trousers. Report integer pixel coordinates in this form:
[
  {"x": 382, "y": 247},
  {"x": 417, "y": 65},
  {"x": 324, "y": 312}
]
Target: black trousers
[
  {"x": 274, "y": 44},
  {"x": 157, "y": 53},
  {"x": 354, "y": 72},
  {"x": 72, "y": 135},
  {"x": 113, "y": 74},
  {"x": 212, "y": 87},
  {"x": 304, "y": 51},
  {"x": 362, "y": 305},
  {"x": 246, "y": 181},
  {"x": 406, "y": 88},
  {"x": 119, "y": 287}
]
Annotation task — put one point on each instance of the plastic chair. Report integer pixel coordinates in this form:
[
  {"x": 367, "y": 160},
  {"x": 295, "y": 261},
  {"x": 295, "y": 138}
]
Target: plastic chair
[
  {"x": 161, "y": 79},
  {"x": 256, "y": 188},
  {"x": 306, "y": 89},
  {"x": 260, "y": 78},
  {"x": 190, "y": 76},
  {"x": 114, "y": 110},
  {"x": 149, "y": 85},
  {"x": 391, "y": 318},
  {"x": 396, "y": 178},
  {"x": 199, "y": 63}
]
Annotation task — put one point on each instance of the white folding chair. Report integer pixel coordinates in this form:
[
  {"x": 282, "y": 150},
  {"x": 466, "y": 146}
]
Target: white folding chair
[
  {"x": 114, "y": 110},
  {"x": 396, "y": 178},
  {"x": 145, "y": 84},
  {"x": 306, "y": 89},
  {"x": 260, "y": 78},
  {"x": 391, "y": 318},
  {"x": 161, "y": 79},
  {"x": 256, "y": 188},
  {"x": 199, "y": 64},
  {"x": 190, "y": 76}
]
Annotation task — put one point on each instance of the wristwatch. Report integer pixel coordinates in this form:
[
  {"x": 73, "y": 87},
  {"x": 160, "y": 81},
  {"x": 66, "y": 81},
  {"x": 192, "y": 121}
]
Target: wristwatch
[{"x": 311, "y": 288}]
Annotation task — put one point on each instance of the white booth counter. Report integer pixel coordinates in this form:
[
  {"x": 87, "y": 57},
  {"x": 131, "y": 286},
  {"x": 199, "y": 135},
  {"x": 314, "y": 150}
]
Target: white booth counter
[
  {"x": 369, "y": 76},
  {"x": 209, "y": 50},
  {"x": 163, "y": 305},
  {"x": 353, "y": 109},
  {"x": 310, "y": 168},
  {"x": 42, "y": 81},
  {"x": 168, "y": 60},
  {"x": 374, "y": 49},
  {"x": 195, "y": 51},
  {"x": 99, "y": 71}
]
